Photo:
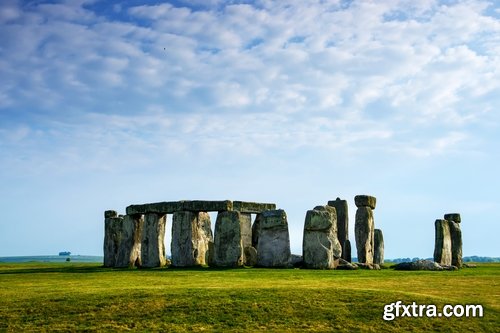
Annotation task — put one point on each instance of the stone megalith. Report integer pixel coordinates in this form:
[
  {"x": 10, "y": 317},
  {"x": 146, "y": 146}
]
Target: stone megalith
[
  {"x": 112, "y": 237},
  {"x": 442, "y": 245},
  {"x": 191, "y": 235},
  {"x": 456, "y": 238},
  {"x": 129, "y": 248},
  {"x": 273, "y": 244},
  {"x": 153, "y": 241},
  {"x": 364, "y": 228},
  {"x": 346, "y": 251},
  {"x": 342, "y": 224},
  {"x": 233, "y": 233},
  {"x": 378, "y": 251},
  {"x": 321, "y": 248}
]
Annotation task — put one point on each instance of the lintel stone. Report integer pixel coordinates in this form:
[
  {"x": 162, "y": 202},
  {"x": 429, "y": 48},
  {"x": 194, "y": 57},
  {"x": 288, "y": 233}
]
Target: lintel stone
[
  {"x": 252, "y": 207},
  {"x": 454, "y": 217}
]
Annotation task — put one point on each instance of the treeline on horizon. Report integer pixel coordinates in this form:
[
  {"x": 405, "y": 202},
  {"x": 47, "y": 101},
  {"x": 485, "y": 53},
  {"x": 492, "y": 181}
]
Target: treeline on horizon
[{"x": 465, "y": 259}]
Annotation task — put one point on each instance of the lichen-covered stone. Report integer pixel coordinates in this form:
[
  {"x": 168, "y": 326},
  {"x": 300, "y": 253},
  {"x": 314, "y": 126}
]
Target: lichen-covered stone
[
  {"x": 191, "y": 234},
  {"x": 153, "y": 241},
  {"x": 456, "y": 244},
  {"x": 454, "y": 217},
  {"x": 364, "y": 234},
  {"x": 442, "y": 245},
  {"x": 273, "y": 246},
  {"x": 378, "y": 250},
  {"x": 233, "y": 232},
  {"x": 321, "y": 248},
  {"x": 112, "y": 239},
  {"x": 110, "y": 213},
  {"x": 365, "y": 201},
  {"x": 252, "y": 207},
  {"x": 250, "y": 256},
  {"x": 129, "y": 248},
  {"x": 346, "y": 251},
  {"x": 341, "y": 208}
]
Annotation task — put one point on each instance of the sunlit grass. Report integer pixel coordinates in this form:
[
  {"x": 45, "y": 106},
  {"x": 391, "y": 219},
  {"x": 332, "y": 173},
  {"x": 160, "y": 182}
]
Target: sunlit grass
[{"x": 69, "y": 296}]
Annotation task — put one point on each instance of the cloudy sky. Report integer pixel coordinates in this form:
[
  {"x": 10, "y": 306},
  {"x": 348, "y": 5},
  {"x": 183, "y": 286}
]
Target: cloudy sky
[{"x": 109, "y": 103}]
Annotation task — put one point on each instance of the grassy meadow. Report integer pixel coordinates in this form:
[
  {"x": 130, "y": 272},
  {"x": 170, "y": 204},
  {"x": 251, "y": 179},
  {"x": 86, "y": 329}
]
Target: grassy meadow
[{"x": 83, "y": 296}]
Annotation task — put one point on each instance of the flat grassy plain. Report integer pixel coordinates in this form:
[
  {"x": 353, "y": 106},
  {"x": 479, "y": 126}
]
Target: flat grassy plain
[{"x": 71, "y": 296}]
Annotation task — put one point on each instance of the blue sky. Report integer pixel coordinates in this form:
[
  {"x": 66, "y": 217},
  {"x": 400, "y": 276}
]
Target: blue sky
[{"x": 105, "y": 104}]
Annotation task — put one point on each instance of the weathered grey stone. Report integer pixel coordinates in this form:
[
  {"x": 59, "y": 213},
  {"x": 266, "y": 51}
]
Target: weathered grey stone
[
  {"x": 442, "y": 245},
  {"x": 250, "y": 256},
  {"x": 455, "y": 217},
  {"x": 153, "y": 241},
  {"x": 110, "y": 213},
  {"x": 233, "y": 232},
  {"x": 321, "y": 247},
  {"x": 342, "y": 223},
  {"x": 252, "y": 207},
  {"x": 169, "y": 207},
  {"x": 129, "y": 248},
  {"x": 365, "y": 201},
  {"x": 456, "y": 244},
  {"x": 273, "y": 246},
  {"x": 207, "y": 206},
  {"x": 296, "y": 260},
  {"x": 364, "y": 234},
  {"x": 346, "y": 265},
  {"x": 372, "y": 266},
  {"x": 346, "y": 251},
  {"x": 378, "y": 251},
  {"x": 191, "y": 234},
  {"x": 112, "y": 239},
  {"x": 419, "y": 265}
]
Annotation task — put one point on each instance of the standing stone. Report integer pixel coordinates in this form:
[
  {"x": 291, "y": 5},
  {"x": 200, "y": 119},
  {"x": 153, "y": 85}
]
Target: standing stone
[
  {"x": 378, "y": 253},
  {"x": 129, "y": 248},
  {"x": 321, "y": 247},
  {"x": 347, "y": 248},
  {"x": 364, "y": 228},
  {"x": 233, "y": 232},
  {"x": 153, "y": 241},
  {"x": 442, "y": 245},
  {"x": 191, "y": 235},
  {"x": 342, "y": 223},
  {"x": 456, "y": 244},
  {"x": 273, "y": 246},
  {"x": 112, "y": 237}
]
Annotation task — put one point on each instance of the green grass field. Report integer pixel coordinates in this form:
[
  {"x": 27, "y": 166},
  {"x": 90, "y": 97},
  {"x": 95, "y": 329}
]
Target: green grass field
[{"x": 69, "y": 297}]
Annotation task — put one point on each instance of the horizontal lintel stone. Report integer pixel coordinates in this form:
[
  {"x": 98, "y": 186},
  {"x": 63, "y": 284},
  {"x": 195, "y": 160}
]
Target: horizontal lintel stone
[{"x": 252, "y": 207}]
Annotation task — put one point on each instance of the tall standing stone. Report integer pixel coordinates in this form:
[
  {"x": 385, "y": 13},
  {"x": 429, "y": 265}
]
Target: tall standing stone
[
  {"x": 112, "y": 237},
  {"x": 233, "y": 233},
  {"x": 456, "y": 238},
  {"x": 347, "y": 248},
  {"x": 442, "y": 245},
  {"x": 129, "y": 248},
  {"x": 321, "y": 248},
  {"x": 342, "y": 224},
  {"x": 378, "y": 241},
  {"x": 153, "y": 241},
  {"x": 273, "y": 245},
  {"x": 364, "y": 227},
  {"x": 191, "y": 235}
]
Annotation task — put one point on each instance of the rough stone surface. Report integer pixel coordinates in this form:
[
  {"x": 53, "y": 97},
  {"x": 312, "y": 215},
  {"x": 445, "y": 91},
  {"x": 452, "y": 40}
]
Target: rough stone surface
[
  {"x": 368, "y": 266},
  {"x": 346, "y": 265},
  {"x": 456, "y": 244},
  {"x": 129, "y": 248},
  {"x": 233, "y": 233},
  {"x": 346, "y": 251},
  {"x": 442, "y": 245},
  {"x": 112, "y": 240},
  {"x": 250, "y": 256},
  {"x": 169, "y": 207},
  {"x": 273, "y": 246},
  {"x": 321, "y": 247},
  {"x": 153, "y": 241},
  {"x": 365, "y": 201},
  {"x": 191, "y": 234},
  {"x": 455, "y": 217},
  {"x": 296, "y": 260},
  {"x": 378, "y": 251},
  {"x": 110, "y": 213},
  {"x": 252, "y": 207},
  {"x": 342, "y": 223},
  {"x": 364, "y": 234},
  {"x": 419, "y": 265}
]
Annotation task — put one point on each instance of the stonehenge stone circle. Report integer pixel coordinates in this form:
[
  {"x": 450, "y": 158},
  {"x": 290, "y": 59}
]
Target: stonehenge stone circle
[
  {"x": 153, "y": 241},
  {"x": 129, "y": 249},
  {"x": 232, "y": 234},
  {"x": 273, "y": 242},
  {"x": 364, "y": 228},
  {"x": 442, "y": 245},
  {"x": 191, "y": 235},
  {"x": 321, "y": 248},
  {"x": 456, "y": 238},
  {"x": 342, "y": 225},
  {"x": 112, "y": 237},
  {"x": 378, "y": 252}
]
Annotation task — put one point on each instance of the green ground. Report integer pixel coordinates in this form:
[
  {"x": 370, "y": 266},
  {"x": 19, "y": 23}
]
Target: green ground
[{"x": 69, "y": 297}]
